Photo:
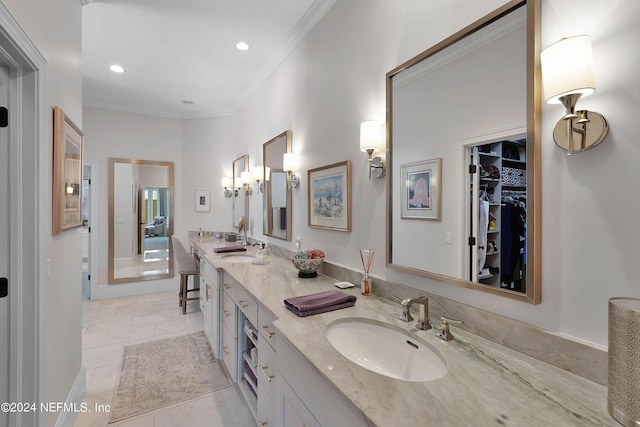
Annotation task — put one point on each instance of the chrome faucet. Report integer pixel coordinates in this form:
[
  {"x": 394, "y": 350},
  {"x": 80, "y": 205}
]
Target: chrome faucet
[
  {"x": 423, "y": 320},
  {"x": 242, "y": 228},
  {"x": 444, "y": 333}
]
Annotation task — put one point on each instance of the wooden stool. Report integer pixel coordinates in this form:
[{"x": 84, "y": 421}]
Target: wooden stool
[{"x": 187, "y": 266}]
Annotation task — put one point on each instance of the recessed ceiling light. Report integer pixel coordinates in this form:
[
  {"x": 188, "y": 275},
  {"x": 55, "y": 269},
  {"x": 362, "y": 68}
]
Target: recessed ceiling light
[
  {"x": 188, "y": 102},
  {"x": 242, "y": 46},
  {"x": 117, "y": 68}
]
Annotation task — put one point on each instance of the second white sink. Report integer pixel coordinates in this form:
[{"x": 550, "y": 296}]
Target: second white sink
[{"x": 386, "y": 349}]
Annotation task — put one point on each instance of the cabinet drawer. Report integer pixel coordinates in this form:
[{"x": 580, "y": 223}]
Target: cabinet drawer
[
  {"x": 266, "y": 367},
  {"x": 229, "y": 347},
  {"x": 229, "y": 286},
  {"x": 265, "y": 325},
  {"x": 247, "y": 304},
  {"x": 229, "y": 314}
]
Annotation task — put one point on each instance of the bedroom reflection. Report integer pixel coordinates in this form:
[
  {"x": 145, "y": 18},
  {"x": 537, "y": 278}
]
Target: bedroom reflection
[{"x": 141, "y": 216}]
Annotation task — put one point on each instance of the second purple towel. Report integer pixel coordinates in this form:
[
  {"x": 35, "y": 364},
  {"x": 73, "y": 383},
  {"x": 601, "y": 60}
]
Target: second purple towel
[{"x": 321, "y": 302}]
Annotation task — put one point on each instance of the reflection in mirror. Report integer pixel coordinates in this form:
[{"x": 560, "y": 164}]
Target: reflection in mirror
[
  {"x": 470, "y": 100},
  {"x": 240, "y": 205},
  {"x": 277, "y": 200},
  {"x": 140, "y": 220}
]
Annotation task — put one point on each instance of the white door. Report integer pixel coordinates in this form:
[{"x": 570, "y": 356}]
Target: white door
[{"x": 4, "y": 248}]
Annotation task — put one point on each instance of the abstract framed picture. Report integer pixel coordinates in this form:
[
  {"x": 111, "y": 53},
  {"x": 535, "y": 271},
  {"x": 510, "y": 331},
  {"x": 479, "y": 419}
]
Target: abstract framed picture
[
  {"x": 330, "y": 197},
  {"x": 420, "y": 189},
  {"x": 203, "y": 200},
  {"x": 67, "y": 173}
]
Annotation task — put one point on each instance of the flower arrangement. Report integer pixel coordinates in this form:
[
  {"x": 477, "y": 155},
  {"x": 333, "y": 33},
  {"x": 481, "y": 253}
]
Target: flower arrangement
[{"x": 307, "y": 262}]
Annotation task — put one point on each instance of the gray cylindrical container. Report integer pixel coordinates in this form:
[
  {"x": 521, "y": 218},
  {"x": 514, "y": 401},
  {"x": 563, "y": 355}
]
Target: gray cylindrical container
[{"x": 623, "y": 400}]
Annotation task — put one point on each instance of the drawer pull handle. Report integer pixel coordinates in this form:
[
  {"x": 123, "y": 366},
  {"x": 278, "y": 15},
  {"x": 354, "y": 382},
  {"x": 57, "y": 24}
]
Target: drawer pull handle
[
  {"x": 264, "y": 371},
  {"x": 226, "y": 313},
  {"x": 226, "y": 350},
  {"x": 243, "y": 304},
  {"x": 262, "y": 423},
  {"x": 207, "y": 291},
  {"x": 227, "y": 287},
  {"x": 265, "y": 328}
]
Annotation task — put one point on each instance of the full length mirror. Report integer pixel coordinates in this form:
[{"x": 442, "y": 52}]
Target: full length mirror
[
  {"x": 277, "y": 200},
  {"x": 240, "y": 206},
  {"x": 464, "y": 151},
  {"x": 140, "y": 220}
]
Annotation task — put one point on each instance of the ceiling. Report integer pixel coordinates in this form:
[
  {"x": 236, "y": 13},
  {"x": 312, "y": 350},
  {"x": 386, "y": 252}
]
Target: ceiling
[{"x": 185, "y": 50}]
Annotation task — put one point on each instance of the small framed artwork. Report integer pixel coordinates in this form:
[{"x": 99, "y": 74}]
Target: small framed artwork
[
  {"x": 330, "y": 197},
  {"x": 203, "y": 200},
  {"x": 67, "y": 173},
  {"x": 420, "y": 189}
]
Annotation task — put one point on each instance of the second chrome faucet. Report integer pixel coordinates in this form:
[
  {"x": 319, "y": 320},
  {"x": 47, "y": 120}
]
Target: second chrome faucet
[{"x": 423, "y": 319}]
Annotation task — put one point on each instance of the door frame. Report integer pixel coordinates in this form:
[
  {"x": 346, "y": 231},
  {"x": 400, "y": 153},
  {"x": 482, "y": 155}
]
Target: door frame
[{"x": 29, "y": 223}]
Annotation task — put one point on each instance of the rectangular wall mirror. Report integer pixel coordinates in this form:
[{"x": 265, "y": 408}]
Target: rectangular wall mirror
[
  {"x": 277, "y": 200},
  {"x": 469, "y": 104},
  {"x": 140, "y": 220},
  {"x": 240, "y": 204}
]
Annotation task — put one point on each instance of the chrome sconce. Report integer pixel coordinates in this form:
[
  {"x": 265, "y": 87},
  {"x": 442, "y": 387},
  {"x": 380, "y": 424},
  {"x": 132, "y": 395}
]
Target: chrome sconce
[
  {"x": 245, "y": 179},
  {"x": 226, "y": 184},
  {"x": 289, "y": 165},
  {"x": 372, "y": 141},
  {"x": 567, "y": 73},
  {"x": 264, "y": 171}
]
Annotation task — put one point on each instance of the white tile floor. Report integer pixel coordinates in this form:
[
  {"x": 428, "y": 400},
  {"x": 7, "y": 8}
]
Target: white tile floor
[{"x": 110, "y": 325}]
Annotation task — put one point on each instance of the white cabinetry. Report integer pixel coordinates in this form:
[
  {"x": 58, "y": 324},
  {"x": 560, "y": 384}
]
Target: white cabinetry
[
  {"x": 229, "y": 327},
  {"x": 304, "y": 397},
  {"x": 266, "y": 368},
  {"x": 210, "y": 289}
]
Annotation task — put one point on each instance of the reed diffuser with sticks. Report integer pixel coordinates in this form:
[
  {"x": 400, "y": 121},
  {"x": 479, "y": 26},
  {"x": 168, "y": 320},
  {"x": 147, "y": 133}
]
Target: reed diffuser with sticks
[{"x": 366, "y": 256}]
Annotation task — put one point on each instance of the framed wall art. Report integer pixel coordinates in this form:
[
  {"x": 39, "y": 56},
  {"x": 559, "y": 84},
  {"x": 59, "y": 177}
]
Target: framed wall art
[
  {"x": 330, "y": 197},
  {"x": 420, "y": 189},
  {"x": 67, "y": 173},
  {"x": 203, "y": 200}
]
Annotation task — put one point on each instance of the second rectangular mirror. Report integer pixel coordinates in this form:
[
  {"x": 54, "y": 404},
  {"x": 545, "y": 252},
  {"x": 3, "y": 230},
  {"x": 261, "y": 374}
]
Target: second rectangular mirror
[{"x": 277, "y": 200}]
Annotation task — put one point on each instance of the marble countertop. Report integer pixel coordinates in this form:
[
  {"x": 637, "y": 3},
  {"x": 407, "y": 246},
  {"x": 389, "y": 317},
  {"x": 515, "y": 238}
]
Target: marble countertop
[{"x": 486, "y": 384}]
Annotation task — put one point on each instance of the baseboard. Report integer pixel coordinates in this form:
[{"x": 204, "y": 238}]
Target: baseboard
[{"x": 74, "y": 400}]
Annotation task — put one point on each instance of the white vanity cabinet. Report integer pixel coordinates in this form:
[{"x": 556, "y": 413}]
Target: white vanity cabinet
[
  {"x": 210, "y": 303},
  {"x": 267, "y": 368},
  {"x": 229, "y": 328},
  {"x": 304, "y": 397}
]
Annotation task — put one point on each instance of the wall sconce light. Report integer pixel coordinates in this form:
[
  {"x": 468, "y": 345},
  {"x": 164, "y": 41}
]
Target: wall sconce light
[
  {"x": 245, "y": 179},
  {"x": 226, "y": 184},
  {"x": 267, "y": 172},
  {"x": 371, "y": 142},
  {"x": 567, "y": 72},
  {"x": 289, "y": 165}
]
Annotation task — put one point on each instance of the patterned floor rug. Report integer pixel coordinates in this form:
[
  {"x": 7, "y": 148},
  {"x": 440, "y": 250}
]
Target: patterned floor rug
[{"x": 164, "y": 372}]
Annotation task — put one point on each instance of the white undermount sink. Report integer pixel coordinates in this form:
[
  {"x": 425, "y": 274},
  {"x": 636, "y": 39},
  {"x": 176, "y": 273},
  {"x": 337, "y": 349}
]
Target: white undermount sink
[
  {"x": 236, "y": 257},
  {"x": 386, "y": 349}
]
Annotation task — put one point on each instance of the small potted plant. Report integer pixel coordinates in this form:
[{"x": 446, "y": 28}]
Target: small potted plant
[{"x": 308, "y": 262}]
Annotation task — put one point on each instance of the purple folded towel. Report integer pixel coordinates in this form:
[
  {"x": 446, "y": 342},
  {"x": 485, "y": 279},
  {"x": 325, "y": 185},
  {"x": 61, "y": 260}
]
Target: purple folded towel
[
  {"x": 236, "y": 248},
  {"x": 321, "y": 302}
]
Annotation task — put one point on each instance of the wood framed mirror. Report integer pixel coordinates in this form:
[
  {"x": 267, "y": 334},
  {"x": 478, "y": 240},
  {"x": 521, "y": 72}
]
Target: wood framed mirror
[
  {"x": 277, "y": 199},
  {"x": 471, "y": 94},
  {"x": 240, "y": 203},
  {"x": 141, "y": 219}
]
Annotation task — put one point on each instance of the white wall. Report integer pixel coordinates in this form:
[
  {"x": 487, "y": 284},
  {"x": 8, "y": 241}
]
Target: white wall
[
  {"x": 54, "y": 27},
  {"x": 111, "y": 133},
  {"x": 335, "y": 79}
]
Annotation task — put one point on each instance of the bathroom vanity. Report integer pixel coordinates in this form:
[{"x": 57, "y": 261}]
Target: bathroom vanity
[{"x": 298, "y": 378}]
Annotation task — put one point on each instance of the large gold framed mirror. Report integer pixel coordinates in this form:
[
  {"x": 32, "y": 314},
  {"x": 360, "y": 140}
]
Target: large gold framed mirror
[
  {"x": 140, "y": 220},
  {"x": 276, "y": 216},
  {"x": 470, "y": 104}
]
